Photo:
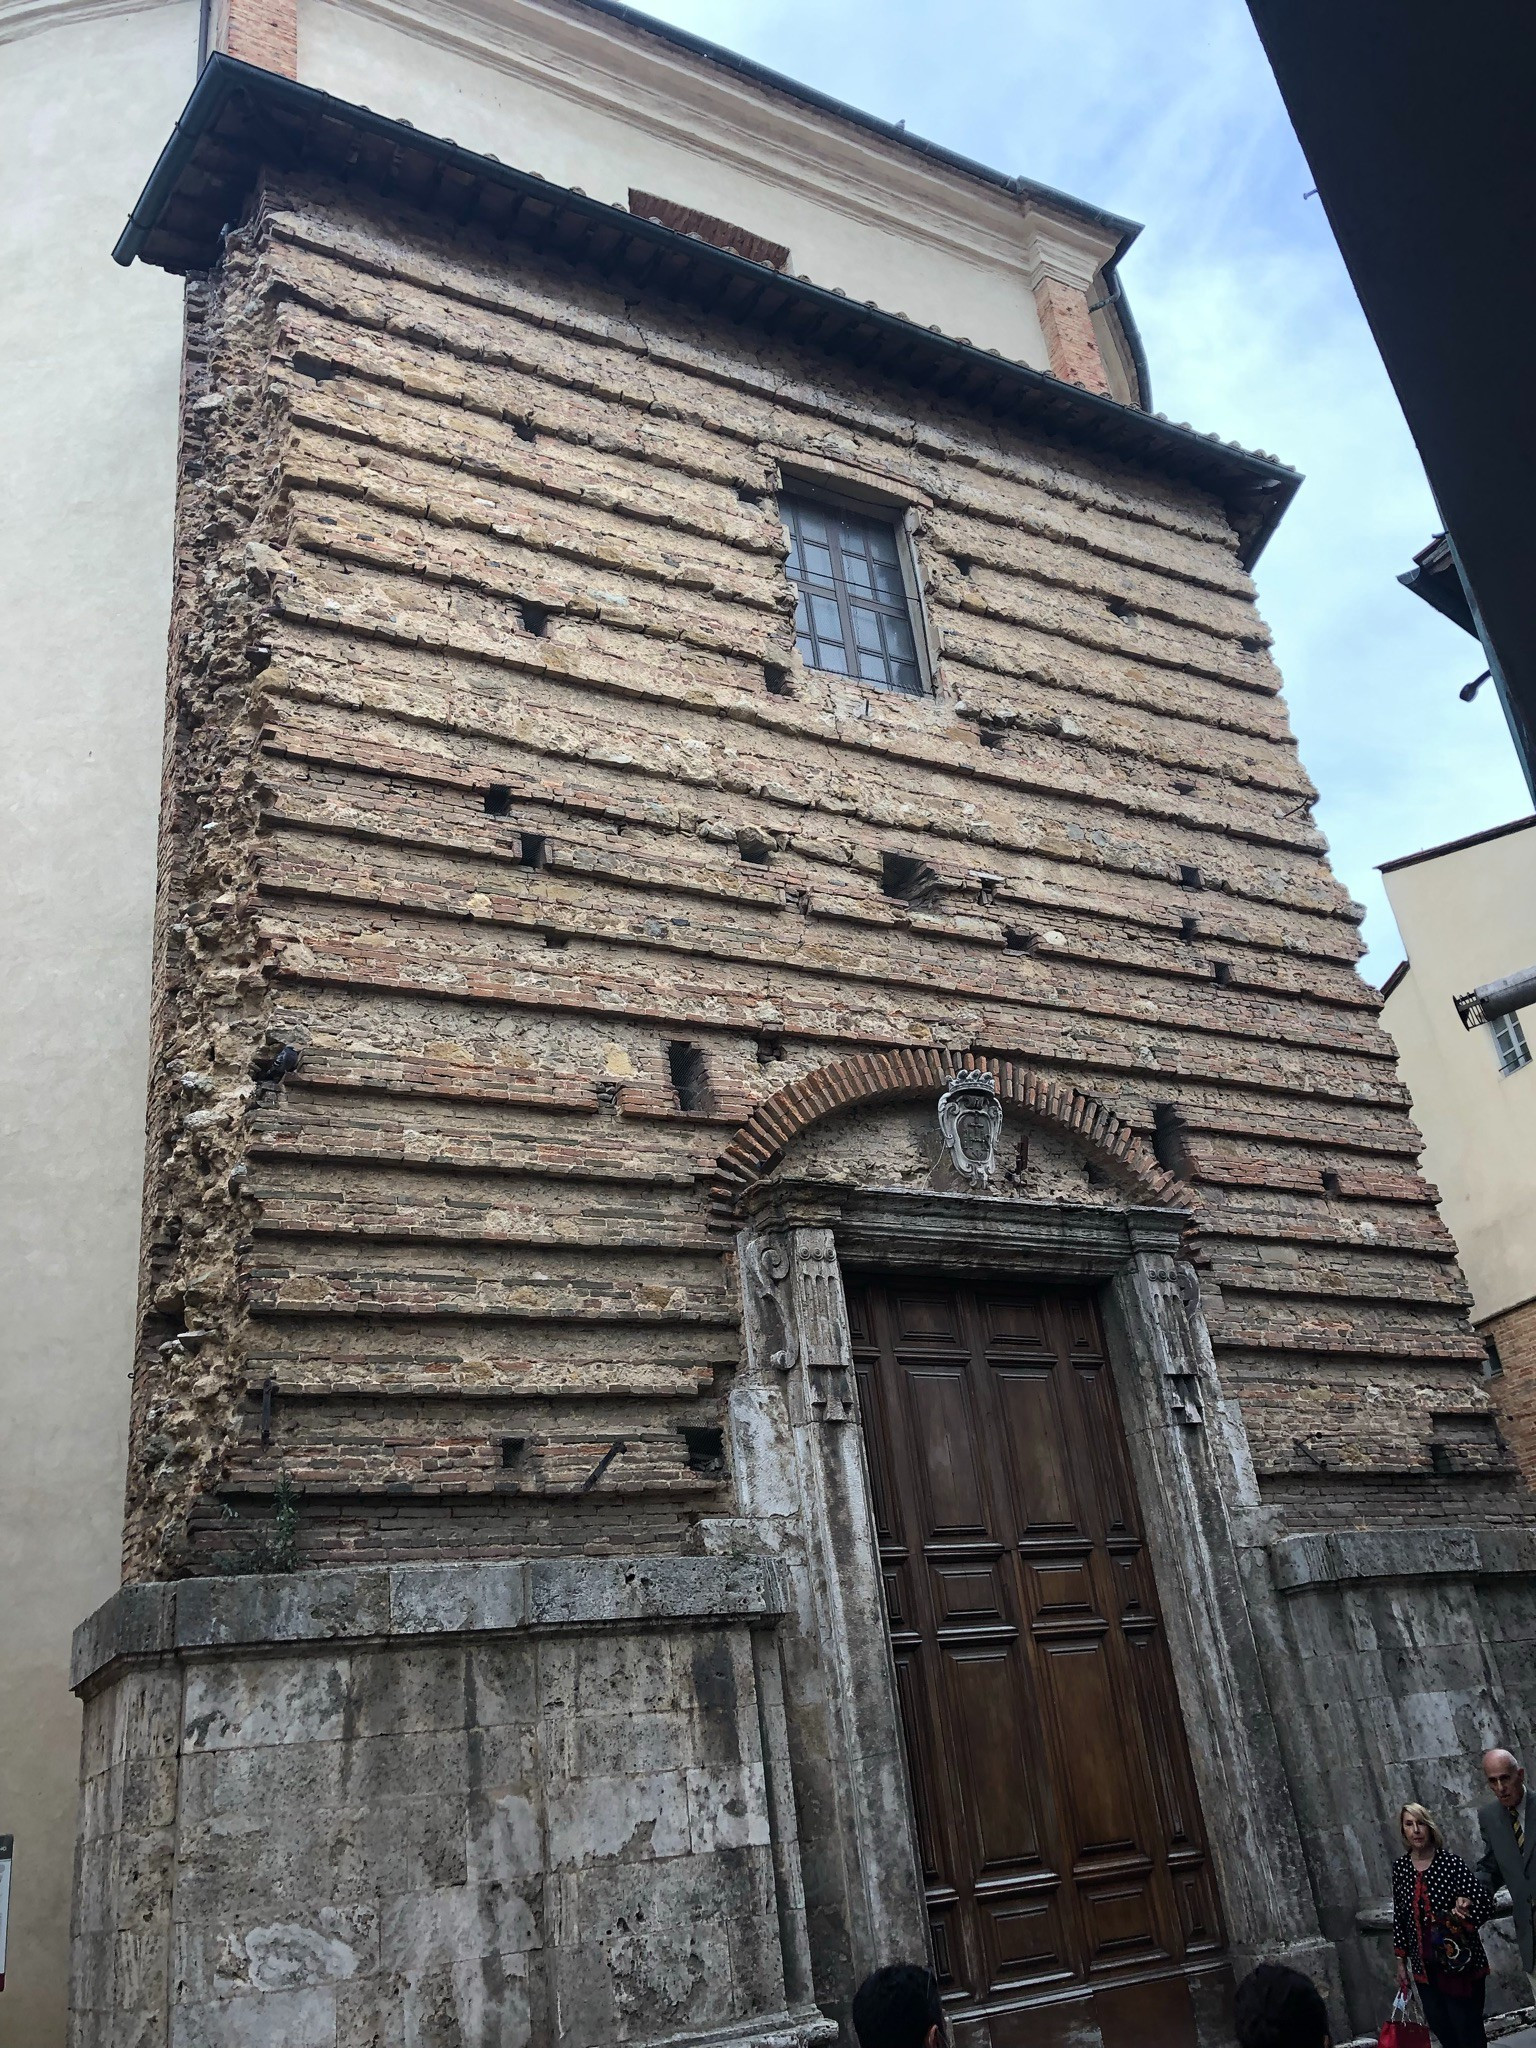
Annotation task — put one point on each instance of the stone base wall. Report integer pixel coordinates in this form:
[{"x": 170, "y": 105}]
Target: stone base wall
[
  {"x": 475, "y": 1805},
  {"x": 1394, "y": 1658}
]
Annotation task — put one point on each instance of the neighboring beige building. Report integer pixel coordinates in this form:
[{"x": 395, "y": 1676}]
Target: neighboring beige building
[{"x": 1467, "y": 915}]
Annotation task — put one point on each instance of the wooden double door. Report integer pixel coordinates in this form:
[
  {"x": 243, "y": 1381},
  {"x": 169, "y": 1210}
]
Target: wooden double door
[{"x": 1069, "y": 1892}]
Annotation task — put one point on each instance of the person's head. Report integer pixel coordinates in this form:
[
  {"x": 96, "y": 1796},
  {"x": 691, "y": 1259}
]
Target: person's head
[
  {"x": 1279, "y": 2008},
  {"x": 899, "y": 2007},
  {"x": 1419, "y": 1828},
  {"x": 1506, "y": 1780}
]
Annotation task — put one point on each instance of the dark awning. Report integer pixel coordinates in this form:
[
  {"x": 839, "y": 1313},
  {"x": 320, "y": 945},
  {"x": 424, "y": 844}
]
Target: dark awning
[
  {"x": 240, "y": 118},
  {"x": 1416, "y": 121}
]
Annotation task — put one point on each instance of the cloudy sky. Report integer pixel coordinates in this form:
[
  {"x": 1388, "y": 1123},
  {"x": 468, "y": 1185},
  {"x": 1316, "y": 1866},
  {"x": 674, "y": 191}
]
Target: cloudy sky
[{"x": 1166, "y": 111}]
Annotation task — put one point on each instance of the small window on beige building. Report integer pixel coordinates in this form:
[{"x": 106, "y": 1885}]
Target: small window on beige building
[
  {"x": 855, "y": 614},
  {"x": 1509, "y": 1043}
]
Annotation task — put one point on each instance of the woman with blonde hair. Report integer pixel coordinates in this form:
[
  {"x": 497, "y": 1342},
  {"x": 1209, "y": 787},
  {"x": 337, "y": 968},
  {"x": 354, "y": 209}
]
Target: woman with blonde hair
[{"x": 1438, "y": 1904}]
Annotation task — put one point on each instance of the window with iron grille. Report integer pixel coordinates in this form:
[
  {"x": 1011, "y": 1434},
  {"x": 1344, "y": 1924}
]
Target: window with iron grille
[
  {"x": 853, "y": 616},
  {"x": 1509, "y": 1043}
]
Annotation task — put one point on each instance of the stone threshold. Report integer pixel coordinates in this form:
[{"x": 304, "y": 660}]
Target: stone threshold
[{"x": 377, "y": 1603}]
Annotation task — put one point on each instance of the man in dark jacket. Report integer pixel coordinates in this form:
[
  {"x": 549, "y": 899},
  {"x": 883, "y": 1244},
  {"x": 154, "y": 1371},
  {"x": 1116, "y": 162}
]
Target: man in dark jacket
[{"x": 1508, "y": 1825}]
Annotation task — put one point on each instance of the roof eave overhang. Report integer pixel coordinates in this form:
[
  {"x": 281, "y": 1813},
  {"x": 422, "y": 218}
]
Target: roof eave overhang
[{"x": 240, "y": 118}]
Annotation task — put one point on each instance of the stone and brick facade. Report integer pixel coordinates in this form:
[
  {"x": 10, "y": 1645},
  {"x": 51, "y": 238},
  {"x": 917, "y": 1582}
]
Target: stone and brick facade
[{"x": 524, "y": 937}]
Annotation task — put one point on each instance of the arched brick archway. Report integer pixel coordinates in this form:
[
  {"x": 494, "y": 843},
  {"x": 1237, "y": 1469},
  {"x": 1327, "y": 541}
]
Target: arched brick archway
[{"x": 911, "y": 1073}]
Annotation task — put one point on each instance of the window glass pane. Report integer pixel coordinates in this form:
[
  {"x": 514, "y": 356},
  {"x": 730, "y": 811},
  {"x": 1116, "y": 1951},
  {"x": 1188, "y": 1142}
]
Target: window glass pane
[
  {"x": 824, "y": 618},
  {"x": 852, "y": 615},
  {"x": 866, "y": 629},
  {"x": 898, "y": 639},
  {"x": 1509, "y": 1043}
]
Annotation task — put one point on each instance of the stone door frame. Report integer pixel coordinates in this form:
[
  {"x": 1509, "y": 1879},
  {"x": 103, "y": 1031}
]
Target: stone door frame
[{"x": 803, "y": 1491}]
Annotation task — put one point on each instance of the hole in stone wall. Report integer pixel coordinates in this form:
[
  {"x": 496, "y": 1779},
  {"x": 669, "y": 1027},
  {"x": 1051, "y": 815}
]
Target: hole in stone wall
[
  {"x": 1190, "y": 878},
  {"x": 1494, "y": 1368},
  {"x": 906, "y": 878},
  {"x": 1184, "y": 786},
  {"x": 1170, "y": 1139},
  {"x": 1189, "y": 927},
  {"x": 524, "y": 430},
  {"x": 532, "y": 849},
  {"x": 706, "y": 1450},
  {"x": 753, "y": 849},
  {"x": 1222, "y": 969},
  {"x": 689, "y": 1074},
  {"x": 769, "y": 1049},
  {"x": 535, "y": 618},
  {"x": 991, "y": 737},
  {"x": 1020, "y": 942},
  {"x": 512, "y": 1448},
  {"x": 1332, "y": 1185},
  {"x": 558, "y": 940},
  {"x": 317, "y": 367},
  {"x": 498, "y": 800},
  {"x": 1122, "y": 608},
  {"x": 776, "y": 680}
]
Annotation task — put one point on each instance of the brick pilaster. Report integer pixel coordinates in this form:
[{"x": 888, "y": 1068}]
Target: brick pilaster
[
  {"x": 262, "y": 32},
  {"x": 1064, "y": 264},
  {"x": 1069, "y": 337}
]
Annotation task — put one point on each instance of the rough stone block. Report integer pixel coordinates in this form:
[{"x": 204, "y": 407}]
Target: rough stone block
[
  {"x": 632, "y": 1817},
  {"x": 138, "y": 1621},
  {"x": 298, "y": 2019},
  {"x": 248, "y": 1705},
  {"x": 433, "y": 1599},
  {"x": 727, "y": 1809},
  {"x": 282, "y": 1608}
]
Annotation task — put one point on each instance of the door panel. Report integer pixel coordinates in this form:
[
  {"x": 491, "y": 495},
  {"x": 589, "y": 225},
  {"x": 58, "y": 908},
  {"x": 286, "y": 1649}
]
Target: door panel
[{"x": 1057, "y": 1822}]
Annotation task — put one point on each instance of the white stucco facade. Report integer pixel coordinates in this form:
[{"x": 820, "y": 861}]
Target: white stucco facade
[
  {"x": 1467, "y": 915},
  {"x": 89, "y": 372},
  {"x": 584, "y": 102}
]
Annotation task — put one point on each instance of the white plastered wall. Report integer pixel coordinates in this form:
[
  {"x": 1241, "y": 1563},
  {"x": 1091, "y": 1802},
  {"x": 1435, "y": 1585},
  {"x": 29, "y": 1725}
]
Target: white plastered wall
[
  {"x": 581, "y": 103},
  {"x": 1467, "y": 918},
  {"x": 89, "y": 373}
]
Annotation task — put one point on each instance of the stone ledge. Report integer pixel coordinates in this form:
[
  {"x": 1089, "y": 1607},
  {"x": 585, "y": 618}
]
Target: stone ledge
[
  {"x": 406, "y": 1602},
  {"x": 1345, "y": 1557},
  {"x": 1375, "y": 1917},
  {"x": 807, "y": 2027}
]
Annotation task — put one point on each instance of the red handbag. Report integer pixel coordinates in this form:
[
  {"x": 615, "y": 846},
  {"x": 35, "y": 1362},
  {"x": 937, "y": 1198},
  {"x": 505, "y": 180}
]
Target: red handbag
[{"x": 1406, "y": 2028}]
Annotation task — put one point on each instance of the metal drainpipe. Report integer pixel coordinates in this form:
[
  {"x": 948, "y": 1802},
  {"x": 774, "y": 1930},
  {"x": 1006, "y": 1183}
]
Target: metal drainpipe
[{"x": 1115, "y": 296}]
